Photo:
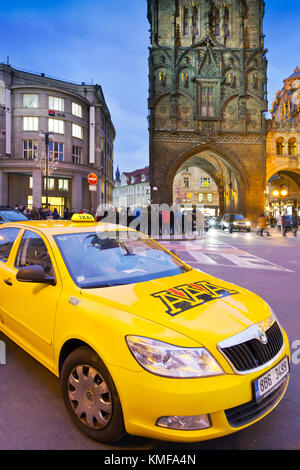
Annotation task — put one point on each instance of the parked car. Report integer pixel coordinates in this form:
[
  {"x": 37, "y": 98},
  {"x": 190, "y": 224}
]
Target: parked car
[
  {"x": 235, "y": 222},
  {"x": 11, "y": 215}
]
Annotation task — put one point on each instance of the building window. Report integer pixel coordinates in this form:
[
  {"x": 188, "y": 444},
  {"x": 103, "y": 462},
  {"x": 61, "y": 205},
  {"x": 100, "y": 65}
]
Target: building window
[
  {"x": 30, "y": 182},
  {"x": 30, "y": 123},
  {"x": 195, "y": 21},
  {"x": 76, "y": 154},
  {"x": 206, "y": 101},
  {"x": 30, "y": 149},
  {"x": 51, "y": 184},
  {"x": 63, "y": 185},
  {"x": 56, "y": 151},
  {"x": 292, "y": 146},
  {"x": 76, "y": 109},
  {"x": 186, "y": 182},
  {"x": 205, "y": 182},
  {"x": 56, "y": 125},
  {"x": 186, "y": 29},
  {"x": 201, "y": 197},
  {"x": 280, "y": 147},
  {"x": 58, "y": 104},
  {"x": 30, "y": 101},
  {"x": 77, "y": 131},
  {"x": 209, "y": 197}
]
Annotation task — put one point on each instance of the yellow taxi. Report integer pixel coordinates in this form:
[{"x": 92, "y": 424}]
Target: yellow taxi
[{"x": 142, "y": 343}]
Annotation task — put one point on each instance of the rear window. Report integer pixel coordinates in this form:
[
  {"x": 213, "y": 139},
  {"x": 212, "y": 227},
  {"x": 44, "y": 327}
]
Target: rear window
[{"x": 12, "y": 216}]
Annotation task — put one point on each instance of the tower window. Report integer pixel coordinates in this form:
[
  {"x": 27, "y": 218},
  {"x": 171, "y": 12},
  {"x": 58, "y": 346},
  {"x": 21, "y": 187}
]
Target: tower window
[
  {"x": 206, "y": 104},
  {"x": 186, "y": 29},
  {"x": 280, "y": 146},
  {"x": 292, "y": 146}
]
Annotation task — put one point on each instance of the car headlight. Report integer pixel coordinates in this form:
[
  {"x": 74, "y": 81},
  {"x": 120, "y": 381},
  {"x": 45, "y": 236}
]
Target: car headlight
[{"x": 172, "y": 361}]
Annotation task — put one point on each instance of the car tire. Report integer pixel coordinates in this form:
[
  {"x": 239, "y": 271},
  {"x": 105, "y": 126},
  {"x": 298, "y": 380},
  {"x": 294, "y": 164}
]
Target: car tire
[{"x": 91, "y": 397}]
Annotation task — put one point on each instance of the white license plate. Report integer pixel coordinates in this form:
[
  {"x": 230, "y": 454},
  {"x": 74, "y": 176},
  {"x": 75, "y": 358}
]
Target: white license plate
[{"x": 271, "y": 380}]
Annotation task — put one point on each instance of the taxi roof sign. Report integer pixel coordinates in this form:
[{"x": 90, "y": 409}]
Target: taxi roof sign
[{"x": 82, "y": 218}]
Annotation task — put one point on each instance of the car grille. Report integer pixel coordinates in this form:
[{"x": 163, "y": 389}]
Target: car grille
[
  {"x": 252, "y": 354},
  {"x": 248, "y": 412}
]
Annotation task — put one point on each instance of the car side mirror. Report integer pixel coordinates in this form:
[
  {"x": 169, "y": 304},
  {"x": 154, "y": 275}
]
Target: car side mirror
[{"x": 36, "y": 274}]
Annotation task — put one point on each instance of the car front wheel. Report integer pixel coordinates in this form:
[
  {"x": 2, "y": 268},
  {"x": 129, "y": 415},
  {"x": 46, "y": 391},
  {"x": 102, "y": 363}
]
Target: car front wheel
[{"x": 91, "y": 397}]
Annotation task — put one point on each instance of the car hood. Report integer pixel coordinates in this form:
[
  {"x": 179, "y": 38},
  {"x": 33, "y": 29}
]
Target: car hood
[{"x": 195, "y": 304}]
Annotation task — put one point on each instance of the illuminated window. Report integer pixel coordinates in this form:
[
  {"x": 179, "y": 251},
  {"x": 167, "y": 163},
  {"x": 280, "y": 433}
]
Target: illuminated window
[
  {"x": 56, "y": 103},
  {"x": 51, "y": 184},
  {"x": 209, "y": 197},
  {"x": 77, "y": 131},
  {"x": 205, "y": 182},
  {"x": 56, "y": 125},
  {"x": 63, "y": 185},
  {"x": 292, "y": 146},
  {"x": 280, "y": 146},
  {"x": 30, "y": 101},
  {"x": 30, "y": 123},
  {"x": 76, "y": 109},
  {"x": 201, "y": 197}
]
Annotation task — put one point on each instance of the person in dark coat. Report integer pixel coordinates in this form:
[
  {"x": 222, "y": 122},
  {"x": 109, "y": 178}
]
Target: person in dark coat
[
  {"x": 295, "y": 224},
  {"x": 286, "y": 224}
]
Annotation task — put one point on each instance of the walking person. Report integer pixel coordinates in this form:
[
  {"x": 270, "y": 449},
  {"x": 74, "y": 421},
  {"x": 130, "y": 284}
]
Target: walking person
[
  {"x": 279, "y": 222},
  {"x": 262, "y": 225},
  {"x": 295, "y": 224},
  {"x": 286, "y": 223}
]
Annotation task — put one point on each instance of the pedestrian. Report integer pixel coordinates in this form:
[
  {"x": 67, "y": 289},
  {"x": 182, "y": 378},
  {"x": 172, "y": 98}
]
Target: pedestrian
[
  {"x": 286, "y": 223},
  {"x": 295, "y": 224},
  {"x": 55, "y": 214},
  {"x": 262, "y": 225},
  {"x": 279, "y": 222}
]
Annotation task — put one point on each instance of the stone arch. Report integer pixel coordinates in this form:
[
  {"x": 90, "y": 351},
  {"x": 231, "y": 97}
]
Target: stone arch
[{"x": 231, "y": 169}]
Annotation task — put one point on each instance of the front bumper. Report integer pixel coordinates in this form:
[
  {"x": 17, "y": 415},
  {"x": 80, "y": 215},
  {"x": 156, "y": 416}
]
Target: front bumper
[{"x": 227, "y": 399}]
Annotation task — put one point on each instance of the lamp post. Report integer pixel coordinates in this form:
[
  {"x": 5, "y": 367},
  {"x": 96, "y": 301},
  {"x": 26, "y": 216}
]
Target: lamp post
[
  {"x": 47, "y": 136},
  {"x": 279, "y": 195}
]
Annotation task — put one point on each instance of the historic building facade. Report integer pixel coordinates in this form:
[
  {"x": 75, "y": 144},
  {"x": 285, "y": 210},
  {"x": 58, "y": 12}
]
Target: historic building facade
[
  {"x": 283, "y": 148},
  {"x": 132, "y": 189},
  {"x": 193, "y": 186},
  {"x": 208, "y": 96},
  {"x": 76, "y": 121}
]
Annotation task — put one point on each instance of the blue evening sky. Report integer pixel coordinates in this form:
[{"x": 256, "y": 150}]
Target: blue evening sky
[{"x": 106, "y": 42}]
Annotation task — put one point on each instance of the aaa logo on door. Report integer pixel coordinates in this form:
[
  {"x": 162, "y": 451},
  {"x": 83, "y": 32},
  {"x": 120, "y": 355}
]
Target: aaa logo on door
[{"x": 182, "y": 298}]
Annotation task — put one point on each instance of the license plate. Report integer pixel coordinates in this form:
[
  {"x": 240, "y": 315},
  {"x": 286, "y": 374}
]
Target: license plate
[{"x": 271, "y": 380}]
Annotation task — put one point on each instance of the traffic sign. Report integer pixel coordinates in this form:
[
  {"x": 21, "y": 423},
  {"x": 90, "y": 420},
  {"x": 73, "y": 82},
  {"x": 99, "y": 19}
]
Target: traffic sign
[{"x": 92, "y": 179}]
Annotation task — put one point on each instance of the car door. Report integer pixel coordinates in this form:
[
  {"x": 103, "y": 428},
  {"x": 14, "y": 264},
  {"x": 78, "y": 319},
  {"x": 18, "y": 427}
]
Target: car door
[{"x": 29, "y": 307}]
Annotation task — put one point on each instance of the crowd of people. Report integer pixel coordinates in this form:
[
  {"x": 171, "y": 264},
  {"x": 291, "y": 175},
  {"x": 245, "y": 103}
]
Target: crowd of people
[
  {"x": 284, "y": 222},
  {"x": 44, "y": 213}
]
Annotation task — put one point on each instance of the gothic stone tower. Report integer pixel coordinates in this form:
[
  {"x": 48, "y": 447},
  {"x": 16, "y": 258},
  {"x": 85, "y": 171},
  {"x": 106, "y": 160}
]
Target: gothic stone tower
[{"x": 207, "y": 97}]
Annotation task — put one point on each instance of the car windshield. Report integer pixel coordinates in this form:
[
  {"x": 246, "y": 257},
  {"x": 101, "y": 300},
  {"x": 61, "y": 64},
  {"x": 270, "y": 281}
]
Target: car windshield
[
  {"x": 12, "y": 216},
  {"x": 237, "y": 217},
  {"x": 94, "y": 261}
]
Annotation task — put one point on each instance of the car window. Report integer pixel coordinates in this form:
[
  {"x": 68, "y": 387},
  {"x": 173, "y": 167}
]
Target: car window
[
  {"x": 7, "y": 238},
  {"x": 238, "y": 217},
  {"x": 33, "y": 251},
  {"x": 95, "y": 262}
]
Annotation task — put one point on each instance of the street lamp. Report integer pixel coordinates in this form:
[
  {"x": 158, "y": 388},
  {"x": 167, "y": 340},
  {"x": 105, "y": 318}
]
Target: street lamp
[
  {"x": 279, "y": 195},
  {"x": 47, "y": 136}
]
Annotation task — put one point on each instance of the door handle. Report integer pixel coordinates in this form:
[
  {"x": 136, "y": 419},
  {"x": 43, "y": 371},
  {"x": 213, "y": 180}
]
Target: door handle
[{"x": 8, "y": 282}]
